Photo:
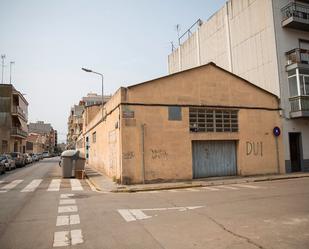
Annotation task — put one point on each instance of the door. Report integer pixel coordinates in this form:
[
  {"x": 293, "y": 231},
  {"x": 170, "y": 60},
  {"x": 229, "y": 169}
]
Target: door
[
  {"x": 295, "y": 152},
  {"x": 214, "y": 158}
]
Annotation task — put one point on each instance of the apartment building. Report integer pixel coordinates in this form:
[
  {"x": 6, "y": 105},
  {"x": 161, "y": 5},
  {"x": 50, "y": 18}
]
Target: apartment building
[
  {"x": 75, "y": 121},
  {"x": 13, "y": 120},
  {"x": 35, "y": 143},
  {"x": 45, "y": 129},
  {"x": 267, "y": 43},
  {"x": 183, "y": 126}
]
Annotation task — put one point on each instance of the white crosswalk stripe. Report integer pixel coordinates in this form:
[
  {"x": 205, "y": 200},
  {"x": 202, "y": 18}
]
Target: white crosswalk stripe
[
  {"x": 54, "y": 185},
  {"x": 210, "y": 188},
  {"x": 32, "y": 185},
  {"x": 247, "y": 186},
  {"x": 75, "y": 185},
  {"x": 10, "y": 186},
  {"x": 227, "y": 187}
]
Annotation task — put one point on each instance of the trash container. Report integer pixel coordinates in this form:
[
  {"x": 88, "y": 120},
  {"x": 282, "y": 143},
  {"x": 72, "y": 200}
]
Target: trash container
[
  {"x": 67, "y": 162},
  {"x": 79, "y": 167}
]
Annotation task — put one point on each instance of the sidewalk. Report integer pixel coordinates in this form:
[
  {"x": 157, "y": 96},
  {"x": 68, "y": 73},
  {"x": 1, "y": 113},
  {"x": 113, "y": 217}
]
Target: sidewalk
[{"x": 105, "y": 184}]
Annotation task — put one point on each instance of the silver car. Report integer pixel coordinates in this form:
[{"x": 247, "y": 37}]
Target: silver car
[{"x": 8, "y": 162}]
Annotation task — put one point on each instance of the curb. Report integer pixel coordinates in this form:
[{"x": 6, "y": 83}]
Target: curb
[
  {"x": 189, "y": 185},
  {"x": 94, "y": 185}
]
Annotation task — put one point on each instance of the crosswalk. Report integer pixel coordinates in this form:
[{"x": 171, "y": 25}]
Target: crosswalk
[
  {"x": 54, "y": 185},
  {"x": 233, "y": 187}
]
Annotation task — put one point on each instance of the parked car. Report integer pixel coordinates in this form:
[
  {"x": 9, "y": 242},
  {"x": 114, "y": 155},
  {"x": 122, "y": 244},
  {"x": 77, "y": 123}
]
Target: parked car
[
  {"x": 46, "y": 154},
  {"x": 19, "y": 159},
  {"x": 35, "y": 157},
  {"x": 8, "y": 161},
  {"x": 2, "y": 164},
  {"x": 28, "y": 158}
]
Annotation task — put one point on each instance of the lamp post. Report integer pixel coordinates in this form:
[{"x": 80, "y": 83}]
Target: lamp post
[{"x": 91, "y": 71}]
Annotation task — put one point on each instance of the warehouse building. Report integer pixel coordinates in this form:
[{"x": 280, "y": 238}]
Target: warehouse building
[{"x": 197, "y": 123}]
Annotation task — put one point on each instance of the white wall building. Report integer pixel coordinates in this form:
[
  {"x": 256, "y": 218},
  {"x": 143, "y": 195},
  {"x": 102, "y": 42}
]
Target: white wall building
[{"x": 267, "y": 43}]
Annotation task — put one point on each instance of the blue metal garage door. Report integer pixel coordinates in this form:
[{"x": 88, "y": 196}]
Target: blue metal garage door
[{"x": 213, "y": 158}]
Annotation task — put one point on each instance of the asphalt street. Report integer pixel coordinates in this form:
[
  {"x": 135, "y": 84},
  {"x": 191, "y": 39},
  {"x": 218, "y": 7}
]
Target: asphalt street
[{"x": 38, "y": 209}]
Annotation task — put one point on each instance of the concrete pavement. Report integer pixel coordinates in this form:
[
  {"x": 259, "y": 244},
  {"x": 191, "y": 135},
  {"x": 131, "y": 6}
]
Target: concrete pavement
[
  {"x": 105, "y": 184},
  {"x": 65, "y": 213}
]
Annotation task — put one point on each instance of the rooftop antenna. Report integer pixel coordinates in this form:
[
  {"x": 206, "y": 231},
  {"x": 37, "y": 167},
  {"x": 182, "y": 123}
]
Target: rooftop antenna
[
  {"x": 173, "y": 47},
  {"x": 11, "y": 63},
  {"x": 2, "y": 58},
  {"x": 177, "y": 27}
]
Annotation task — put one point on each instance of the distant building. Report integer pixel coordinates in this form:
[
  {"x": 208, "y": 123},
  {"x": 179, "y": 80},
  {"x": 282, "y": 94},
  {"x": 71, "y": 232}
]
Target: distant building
[
  {"x": 47, "y": 130},
  {"x": 13, "y": 120},
  {"x": 75, "y": 120},
  {"x": 35, "y": 143}
]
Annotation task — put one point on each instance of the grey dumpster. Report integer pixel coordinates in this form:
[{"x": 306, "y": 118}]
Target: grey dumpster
[{"x": 67, "y": 162}]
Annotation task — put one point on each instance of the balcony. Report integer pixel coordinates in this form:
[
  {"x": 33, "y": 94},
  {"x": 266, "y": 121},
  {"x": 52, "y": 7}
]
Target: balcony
[
  {"x": 16, "y": 110},
  {"x": 299, "y": 106},
  {"x": 297, "y": 58},
  {"x": 295, "y": 16},
  {"x": 17, "y": 132}
]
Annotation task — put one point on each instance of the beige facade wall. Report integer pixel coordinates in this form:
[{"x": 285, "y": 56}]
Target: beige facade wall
[
  {"x": 168, "y": 144},
  {"x": 104, "y": 153},
  {"x": 144, "y": 140}
]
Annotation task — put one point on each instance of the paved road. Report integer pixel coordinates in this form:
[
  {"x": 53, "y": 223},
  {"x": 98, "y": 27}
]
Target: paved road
[{"x": 45, "y": 211}]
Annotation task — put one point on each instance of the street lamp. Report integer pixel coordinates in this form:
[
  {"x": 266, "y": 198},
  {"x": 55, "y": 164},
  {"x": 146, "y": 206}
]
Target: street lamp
[{"x": 90, "y": 71}]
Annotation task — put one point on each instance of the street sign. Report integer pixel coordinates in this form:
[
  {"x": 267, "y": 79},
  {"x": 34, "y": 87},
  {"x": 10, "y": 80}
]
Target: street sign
[{"x": 276, "y": 131}]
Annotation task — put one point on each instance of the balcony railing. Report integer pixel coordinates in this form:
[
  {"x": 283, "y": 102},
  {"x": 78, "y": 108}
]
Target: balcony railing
[
  {"x": 298, "y": 55},
  {"x": 295, "y": 15},
  {"x": 20, "y": 111},
  {"x": 15, "y": 131},
  {"x": 299, "y": 106}
]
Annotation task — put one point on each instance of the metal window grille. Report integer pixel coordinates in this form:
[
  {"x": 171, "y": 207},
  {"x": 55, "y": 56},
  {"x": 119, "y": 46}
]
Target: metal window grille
[{"x": 213, "y": 120}]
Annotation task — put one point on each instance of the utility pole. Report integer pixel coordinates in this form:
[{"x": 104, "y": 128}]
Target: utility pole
[
  {"x": 11, "y": 63},
  {"x": 2, "y": 58}
]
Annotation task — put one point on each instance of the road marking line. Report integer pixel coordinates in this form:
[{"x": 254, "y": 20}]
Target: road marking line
[
  {"x": 65, "y": 220},
  {"x": 62, "y": 220},
  {"x": 172, "y": 190},
  {"x": 247, "y": 186},
  {"x": 76, "y": 237},
  {"x": 67, "y": 201},
  {"x": 54, "y": 185},
  {"x": 125, "y": 213},
  {"x": 192, "y": 189},
  {"x": 66, "y": 196},
  {"x": 74, "y": 219},
  {"x": 67, "y": 209},
  {"x": 75, "y": 185},
  {"x": 139, "y": 214},
  {"x": 210, "y": 188},
  {"x": 32, "y": 185},
  {"x": 10, "y": 186},
  {"x": 227, "y": 187},
  {"x": 61, "y": 238}
]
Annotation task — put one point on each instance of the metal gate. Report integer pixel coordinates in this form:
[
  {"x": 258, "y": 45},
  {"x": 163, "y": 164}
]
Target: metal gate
[{"x": 213, "y": 158}]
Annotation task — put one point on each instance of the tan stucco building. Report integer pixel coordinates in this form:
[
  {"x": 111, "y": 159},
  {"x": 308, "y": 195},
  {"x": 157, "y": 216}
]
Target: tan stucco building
[
  {"x": 13, "y": 120},
  {"x": 197, "y": 123}
]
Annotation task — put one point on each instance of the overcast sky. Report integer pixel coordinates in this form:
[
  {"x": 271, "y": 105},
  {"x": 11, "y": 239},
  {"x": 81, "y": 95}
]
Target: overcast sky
[{"x": 127, "y": 40}]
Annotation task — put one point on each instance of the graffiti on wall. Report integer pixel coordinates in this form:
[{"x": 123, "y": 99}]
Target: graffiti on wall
[
  {"x": 159, "y": 154},
  {"x": 128, "y": 155},
  {"x": 254, "y": 148}
]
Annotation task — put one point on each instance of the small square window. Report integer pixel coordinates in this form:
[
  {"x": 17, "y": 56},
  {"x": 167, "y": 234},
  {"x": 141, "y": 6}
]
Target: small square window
[{"x": 174, "y": 113}]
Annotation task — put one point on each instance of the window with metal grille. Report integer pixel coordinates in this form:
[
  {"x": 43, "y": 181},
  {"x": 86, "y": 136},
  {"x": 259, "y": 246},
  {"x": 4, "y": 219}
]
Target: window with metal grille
[{"x": 213, "y": 120}]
